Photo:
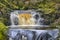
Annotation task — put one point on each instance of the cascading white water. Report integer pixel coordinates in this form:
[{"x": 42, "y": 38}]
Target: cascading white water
[
  {"x": 34, "y": 34},
  {"x": 12, "y": 17},
  {"x": 26, "y": 19},
  {"x": 28, "y": 34},
  {"x": 34, "y": 20}
]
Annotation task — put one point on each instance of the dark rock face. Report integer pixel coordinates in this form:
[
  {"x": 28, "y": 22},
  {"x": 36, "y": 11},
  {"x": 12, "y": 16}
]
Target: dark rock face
[{"x": 36, "y": 16}]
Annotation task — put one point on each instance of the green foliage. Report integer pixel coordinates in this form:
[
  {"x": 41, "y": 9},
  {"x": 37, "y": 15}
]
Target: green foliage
[
  {"x": 57, "y": 22},
  {"x": 47, "y": 6},
  {"x": 3, "y": 29}
]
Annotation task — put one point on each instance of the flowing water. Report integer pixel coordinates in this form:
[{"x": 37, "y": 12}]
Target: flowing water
[
  {"x": 26, "y": 18},
  {"x": 24, "y": 34},
  {"x": 30, "y": 19}
]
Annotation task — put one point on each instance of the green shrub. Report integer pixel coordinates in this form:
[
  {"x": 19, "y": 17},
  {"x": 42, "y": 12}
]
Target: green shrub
[{"x": 3, "y": 30}]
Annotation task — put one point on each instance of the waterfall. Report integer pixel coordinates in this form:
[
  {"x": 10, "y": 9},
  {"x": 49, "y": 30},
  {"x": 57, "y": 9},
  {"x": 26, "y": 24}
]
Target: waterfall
[
  {"x": 11, "y": 17},
  {"x": 26, "y": 18},
  {"x": 14, "y": 18},
  {"x": 29, "y": 18},
  {"x": 21, "y": 34}
]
